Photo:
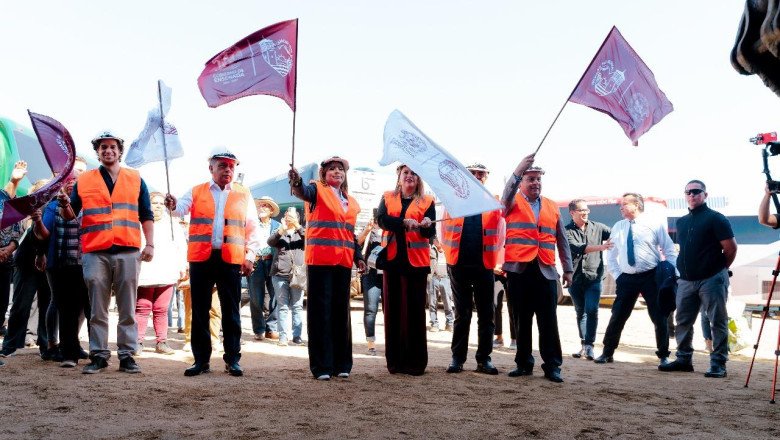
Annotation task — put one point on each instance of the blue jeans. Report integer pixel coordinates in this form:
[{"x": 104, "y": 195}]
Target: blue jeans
[
  {"x": 178, "y": 299},
  {"x": 260, "y": 284},
  {"x": 585, "y": 295},
  {"x": 288, "y": 297},
  {"x": 372, "y": 294},
  {"x": 706, "y": 329},
  {"x": 710, "y": 295}
]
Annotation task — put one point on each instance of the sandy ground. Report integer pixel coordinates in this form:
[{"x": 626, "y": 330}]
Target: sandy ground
[{"x": 277, "y": 397}]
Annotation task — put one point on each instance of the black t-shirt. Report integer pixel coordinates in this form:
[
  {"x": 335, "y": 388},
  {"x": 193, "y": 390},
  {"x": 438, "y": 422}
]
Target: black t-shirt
[
  {"x": 699, "y": 234},
  {"x": 470, "y": 253}
]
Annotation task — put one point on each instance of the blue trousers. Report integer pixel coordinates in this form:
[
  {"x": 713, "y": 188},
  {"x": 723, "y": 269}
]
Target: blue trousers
[
  {"x": 585, "y": 295},
  {"x": 260, "y": 285}
]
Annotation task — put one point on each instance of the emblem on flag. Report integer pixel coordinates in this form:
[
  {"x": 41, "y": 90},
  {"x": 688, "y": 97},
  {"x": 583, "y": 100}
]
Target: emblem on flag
[{"x": 277, "y": 54}]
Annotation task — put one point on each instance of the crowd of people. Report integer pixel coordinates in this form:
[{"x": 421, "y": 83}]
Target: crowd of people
[{"x": 106, "y": 236}]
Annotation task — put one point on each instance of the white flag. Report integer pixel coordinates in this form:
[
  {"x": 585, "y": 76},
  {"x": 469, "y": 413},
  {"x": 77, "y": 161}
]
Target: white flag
[
  {"x": 149, "y": 145},
  {"x": 460, "y": 192}
]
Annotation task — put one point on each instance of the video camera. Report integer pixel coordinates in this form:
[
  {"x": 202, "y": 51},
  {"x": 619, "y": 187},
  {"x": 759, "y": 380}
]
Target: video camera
[{"x": 771, "y": 148}]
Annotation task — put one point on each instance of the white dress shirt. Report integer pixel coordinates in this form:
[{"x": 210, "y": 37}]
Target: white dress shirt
[
  {"x": 184, "y": 205},
  {"x": 650, "y": 236}
]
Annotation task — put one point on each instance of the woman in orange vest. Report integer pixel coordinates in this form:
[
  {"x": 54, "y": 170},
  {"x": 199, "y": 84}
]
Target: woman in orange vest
[
  {"x": 331, "y": 250},
  {"x": 406, "y": 215}
]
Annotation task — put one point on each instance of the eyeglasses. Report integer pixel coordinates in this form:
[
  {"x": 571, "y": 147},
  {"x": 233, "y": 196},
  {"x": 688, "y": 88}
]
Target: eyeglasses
[
  {"x": 584, "y": 211},
  {"x": 693, "y": 192}
]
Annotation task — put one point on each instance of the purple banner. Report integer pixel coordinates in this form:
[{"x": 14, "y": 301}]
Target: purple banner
[
  {"x": 618, "y": 83},
  {"x": 60, "y": 152},
  {"x": 264, "y": 63}
]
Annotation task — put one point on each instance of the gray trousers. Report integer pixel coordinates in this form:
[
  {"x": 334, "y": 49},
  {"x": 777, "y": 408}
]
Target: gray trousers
[
  {"x": 709, "y": 295},
  {"x": 102, "y": 271}
]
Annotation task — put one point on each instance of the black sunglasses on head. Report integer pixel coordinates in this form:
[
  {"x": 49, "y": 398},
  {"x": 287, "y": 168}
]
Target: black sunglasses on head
[{"x": 694, "y": 191}]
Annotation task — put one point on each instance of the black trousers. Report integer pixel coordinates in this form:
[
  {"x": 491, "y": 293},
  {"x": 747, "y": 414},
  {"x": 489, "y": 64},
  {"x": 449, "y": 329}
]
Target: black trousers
[
  {"x": 628, "y": 288},
  {"x": 328, "y": 320},
  {"x": 472, "y": 285},
  {"x": 71, "y": 298},
  {"x": 227, "y": 277},
  {"x": 499, "y": 300},
  {"x": 6, "y": 274},
  {"x": 27, "y": 282},
  {"x": 533, "y": 294},
  {"x": 403, "y": 303}
]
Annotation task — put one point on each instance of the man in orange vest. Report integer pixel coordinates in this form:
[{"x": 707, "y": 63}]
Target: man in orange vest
[
  {"x": 115, "y": 206},
  {"x": 223, "y": 242},
  {"x": 471, "y": 246},
  {"x": 533, "y": 230}
]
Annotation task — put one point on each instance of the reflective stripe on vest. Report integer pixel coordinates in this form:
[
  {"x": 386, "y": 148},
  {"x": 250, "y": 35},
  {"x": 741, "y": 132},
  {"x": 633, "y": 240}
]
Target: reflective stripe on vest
[
  {"x": 525, "y": 240},
  {"x": 109, "y": 219},
  {"x": 452, "y": 230},
  {"x": 202, "y": 220},
  {"x": 330, "y": 236},
  {"x": 417, "y": 246}
]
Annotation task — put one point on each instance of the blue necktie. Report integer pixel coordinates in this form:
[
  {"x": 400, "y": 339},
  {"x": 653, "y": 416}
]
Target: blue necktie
[{"x": 630, "y": 244}]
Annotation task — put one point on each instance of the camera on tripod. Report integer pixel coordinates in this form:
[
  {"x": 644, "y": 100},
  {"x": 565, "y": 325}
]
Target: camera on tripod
[{"x": 771, "y": 148}]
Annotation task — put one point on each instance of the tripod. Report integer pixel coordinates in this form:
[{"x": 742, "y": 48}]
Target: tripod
[{"x": 761, "y": 329}]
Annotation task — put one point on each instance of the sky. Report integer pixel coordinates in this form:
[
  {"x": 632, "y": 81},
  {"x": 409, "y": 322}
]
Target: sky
[{"x": 484, "y": 79}]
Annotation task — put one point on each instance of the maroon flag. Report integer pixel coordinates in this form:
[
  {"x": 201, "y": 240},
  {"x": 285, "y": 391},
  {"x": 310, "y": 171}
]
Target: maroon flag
[
  {"x": 617, "y": 82},
  {"x": 264, "y": 63},
  {"x": 60, "y": 153}
]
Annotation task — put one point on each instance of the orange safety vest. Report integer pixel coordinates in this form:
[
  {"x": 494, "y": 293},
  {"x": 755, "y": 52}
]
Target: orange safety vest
[
  {"x": 202, "y": 219},
  {"x": 452, "y": 229},
  {"x": 330, "y": 232},
  {"x": 525, "y": 240},
  {"x": 418, "y": 248},
  {"x": 109, "y": 219}
]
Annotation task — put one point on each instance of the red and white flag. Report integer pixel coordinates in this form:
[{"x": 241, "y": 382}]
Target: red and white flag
[
  {"x": 618, "y": 83},
  {"x": 264, "y": 63}
]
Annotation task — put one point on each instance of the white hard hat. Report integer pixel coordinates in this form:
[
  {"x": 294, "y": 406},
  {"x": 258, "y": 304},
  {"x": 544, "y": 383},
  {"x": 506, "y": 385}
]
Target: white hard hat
[
  {"x": 107, "y": 134},
  {"x": 223, "y": 153}
]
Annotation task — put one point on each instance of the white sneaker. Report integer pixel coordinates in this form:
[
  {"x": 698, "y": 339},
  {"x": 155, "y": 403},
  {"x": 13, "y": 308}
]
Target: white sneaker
[
  {"x": 68, "y": 364},
  {"x": 323, "y": 377},
  {"x": 344, "y": 375}
]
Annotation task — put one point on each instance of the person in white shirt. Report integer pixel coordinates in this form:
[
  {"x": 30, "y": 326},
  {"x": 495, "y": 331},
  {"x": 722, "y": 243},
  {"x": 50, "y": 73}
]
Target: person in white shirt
[
  {"x": 223, "y": 243},
  {"x": 640, "y": 243}
]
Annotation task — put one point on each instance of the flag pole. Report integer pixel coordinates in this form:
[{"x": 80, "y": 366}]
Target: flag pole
[
  {"x": 295, "y": 95},
  {"x": 575, "y": 88},
  {"x": 165, "y": 149}
]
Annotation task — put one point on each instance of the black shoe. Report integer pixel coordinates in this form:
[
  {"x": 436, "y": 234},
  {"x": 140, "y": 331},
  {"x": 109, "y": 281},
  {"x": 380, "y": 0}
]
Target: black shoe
[
  {"x": 7, "y": 352},
  {"x": 486, "y": 367},
  {"x": 603, "y": 359},
  {"x": 716, "y": 371},
  {"x": 455, "y": 367},
  {"x": 675, "y": 365},
  {"x": 83, "y": 354},
  {"x": 579, "y": 354},
  {"x": 234, "y": 369},
  {"x": 196, "y": 369},
  {"x": 97, "y": 365},
  {"x": 554, "y": 376},
  {"x": 128, "y": 365},
  {"x": 517, "y": 372}
]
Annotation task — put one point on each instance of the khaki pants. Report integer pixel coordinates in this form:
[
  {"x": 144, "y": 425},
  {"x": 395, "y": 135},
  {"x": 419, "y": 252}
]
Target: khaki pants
[{"x": 215, "y": 316}]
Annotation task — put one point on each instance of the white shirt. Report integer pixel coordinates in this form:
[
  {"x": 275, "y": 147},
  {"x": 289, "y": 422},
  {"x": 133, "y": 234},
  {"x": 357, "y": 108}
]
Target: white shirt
[
  {"x": 184, "y": 204},
  {"x": 649, "y": 236}
]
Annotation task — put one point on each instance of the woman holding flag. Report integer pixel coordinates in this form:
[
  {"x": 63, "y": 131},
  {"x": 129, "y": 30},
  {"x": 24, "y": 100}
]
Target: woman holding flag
[
  {"x": 331, "y": 250},
  {"x": 407, "y": 216}
]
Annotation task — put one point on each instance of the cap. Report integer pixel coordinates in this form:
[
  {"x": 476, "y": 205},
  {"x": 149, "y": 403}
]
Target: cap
[
  {"x": 223, "y": 153},
  {"x": 476, "y": 166},
  {"x": 107, "y": 134},
  {"x": 268, "y": 201},
  {"x": 335, "y": 159},
  {"x": 534, "y": 169}
]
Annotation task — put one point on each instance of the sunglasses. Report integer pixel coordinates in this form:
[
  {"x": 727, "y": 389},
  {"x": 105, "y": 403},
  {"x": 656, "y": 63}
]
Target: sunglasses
[{"x": 693, "y": 192}]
